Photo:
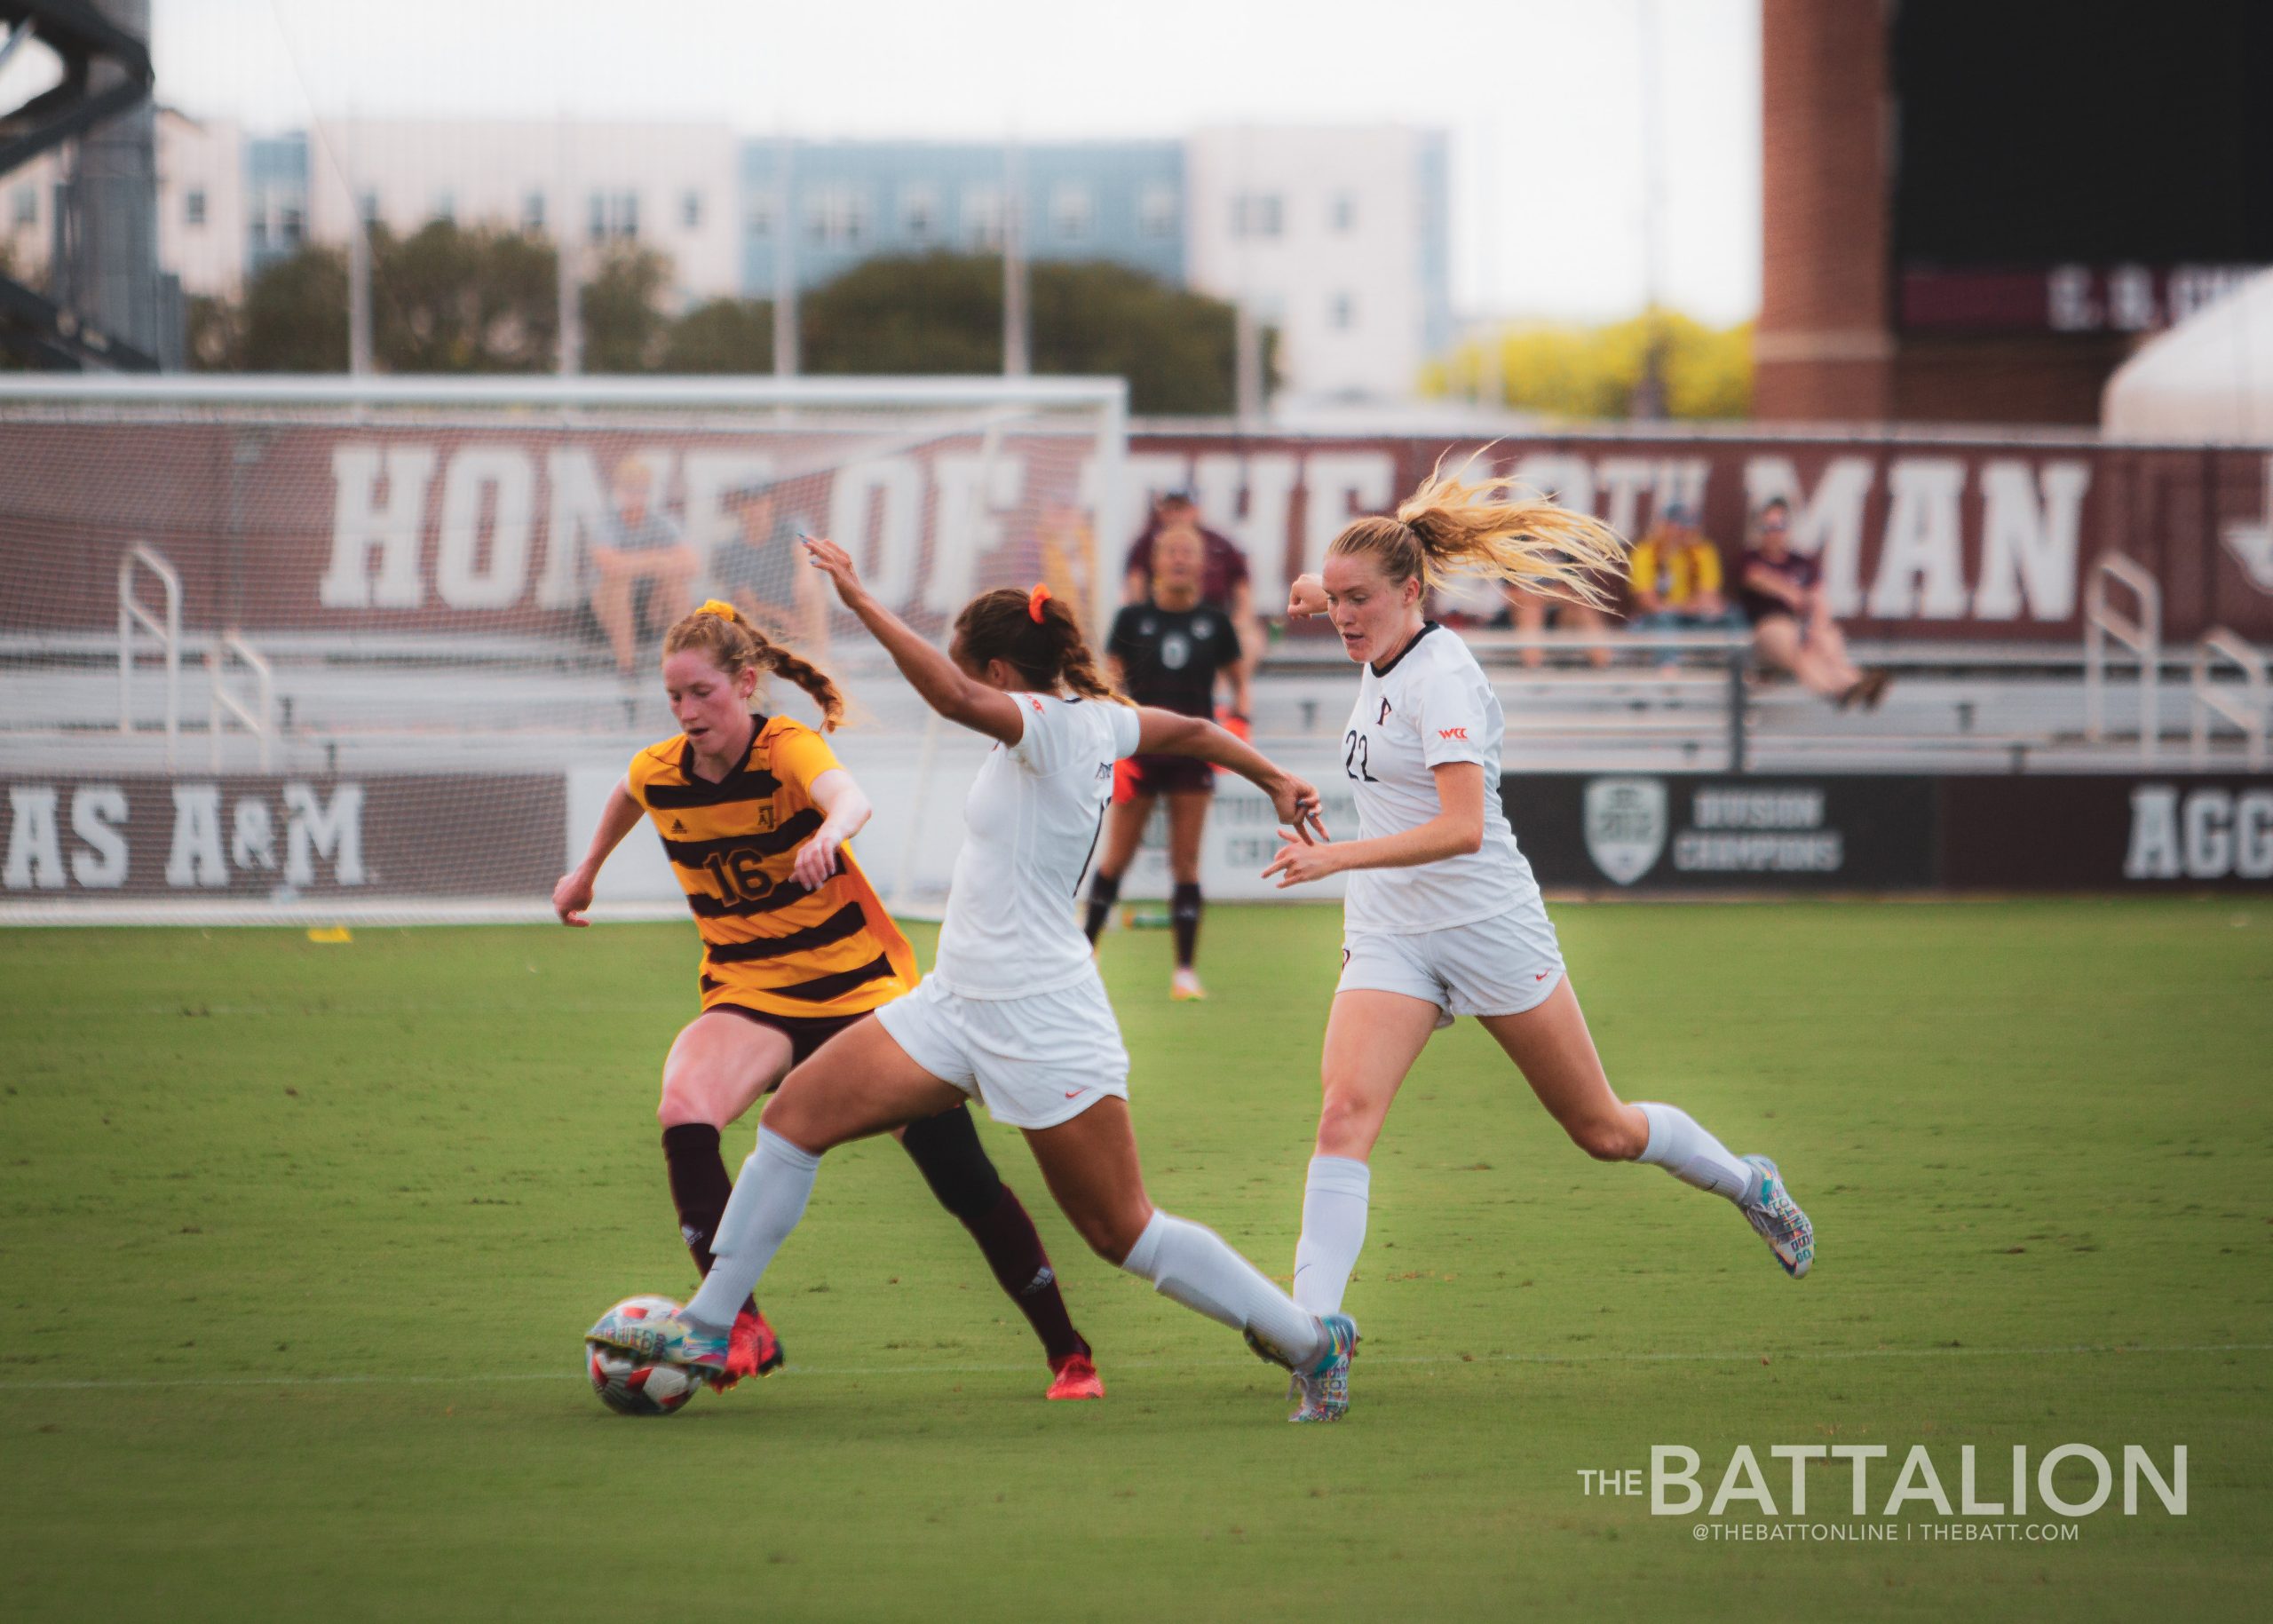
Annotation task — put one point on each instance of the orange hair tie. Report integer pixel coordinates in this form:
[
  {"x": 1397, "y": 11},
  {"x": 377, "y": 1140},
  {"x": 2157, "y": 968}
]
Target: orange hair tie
[
  {"x": 718, "y": 606},
  {"x": 1035, "y": 599}
]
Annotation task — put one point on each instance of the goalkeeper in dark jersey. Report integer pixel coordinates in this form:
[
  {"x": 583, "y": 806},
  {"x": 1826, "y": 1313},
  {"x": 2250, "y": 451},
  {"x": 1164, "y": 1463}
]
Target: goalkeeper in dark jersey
[{"x": 1168, "y": 650}]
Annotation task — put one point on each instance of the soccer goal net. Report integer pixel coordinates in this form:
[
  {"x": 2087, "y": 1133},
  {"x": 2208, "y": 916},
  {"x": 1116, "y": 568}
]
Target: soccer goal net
[{"x": 329, "y": 649}]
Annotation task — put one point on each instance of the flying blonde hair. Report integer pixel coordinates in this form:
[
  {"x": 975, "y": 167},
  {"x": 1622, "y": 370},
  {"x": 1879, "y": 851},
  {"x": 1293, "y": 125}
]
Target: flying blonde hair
[{"x": 1452, "y": 526}]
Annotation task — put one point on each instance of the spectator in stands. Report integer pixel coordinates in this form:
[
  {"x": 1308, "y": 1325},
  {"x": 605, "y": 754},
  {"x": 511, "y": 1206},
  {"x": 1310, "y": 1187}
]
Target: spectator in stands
[
  {"x": 1224, "y": 580},
  {"x": 1530, "y": 612},
  {"x": 1791, "y": 628},
  {"x": 761, "y": 570},
  {"x": 1674, "y": 579},
  {"x": 644, "y": 545}
]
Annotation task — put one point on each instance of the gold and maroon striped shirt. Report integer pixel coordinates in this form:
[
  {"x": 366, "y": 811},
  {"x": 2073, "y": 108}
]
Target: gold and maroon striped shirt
[{"x": 768, "y": 942}]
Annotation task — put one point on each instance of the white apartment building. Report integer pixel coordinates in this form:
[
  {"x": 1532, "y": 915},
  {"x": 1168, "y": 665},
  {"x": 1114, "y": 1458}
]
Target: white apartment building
[
  {"x": 671, "y": 187},
  {"x": 1337, "y": 236}
]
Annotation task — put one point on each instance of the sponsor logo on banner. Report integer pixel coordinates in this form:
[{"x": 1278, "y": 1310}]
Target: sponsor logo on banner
[{"x": 1625, "y": 822}]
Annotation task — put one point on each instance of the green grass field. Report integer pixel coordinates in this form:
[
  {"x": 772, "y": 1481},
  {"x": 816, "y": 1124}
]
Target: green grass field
[{"x": 296, "y": 1242}]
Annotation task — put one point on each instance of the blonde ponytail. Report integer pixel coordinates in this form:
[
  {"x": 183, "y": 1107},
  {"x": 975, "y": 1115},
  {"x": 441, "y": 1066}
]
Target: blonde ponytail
[{"x": 1451, "y": 526}]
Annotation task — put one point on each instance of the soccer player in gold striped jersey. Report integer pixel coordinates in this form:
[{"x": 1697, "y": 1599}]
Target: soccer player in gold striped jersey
[{"x": 756, "y": 814}]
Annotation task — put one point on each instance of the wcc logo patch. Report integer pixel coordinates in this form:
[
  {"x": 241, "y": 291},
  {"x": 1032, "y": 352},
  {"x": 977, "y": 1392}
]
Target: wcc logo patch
[{"x": 1625, "y": 820}]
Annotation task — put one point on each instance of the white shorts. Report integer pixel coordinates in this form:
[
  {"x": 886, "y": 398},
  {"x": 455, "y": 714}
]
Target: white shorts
[
  {"x": 1503, "y": 965},
  {"x": 1032, "y": 1061}
]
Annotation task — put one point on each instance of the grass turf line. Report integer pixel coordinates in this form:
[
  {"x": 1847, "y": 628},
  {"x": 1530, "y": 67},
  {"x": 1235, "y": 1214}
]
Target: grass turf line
[{"x": 238, "y": 1155}]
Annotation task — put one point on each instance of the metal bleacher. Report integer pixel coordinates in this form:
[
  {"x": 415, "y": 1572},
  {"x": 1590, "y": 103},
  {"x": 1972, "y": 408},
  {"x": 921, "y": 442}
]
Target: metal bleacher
[{"x": 159, "y": 696}]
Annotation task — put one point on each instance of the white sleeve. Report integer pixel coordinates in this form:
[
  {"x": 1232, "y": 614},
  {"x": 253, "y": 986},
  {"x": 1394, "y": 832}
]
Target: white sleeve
[
  {"x": 1451, "y": 718},
  {"x": 1040, "y": 748},
  {"x": 1126, "y": 726}
]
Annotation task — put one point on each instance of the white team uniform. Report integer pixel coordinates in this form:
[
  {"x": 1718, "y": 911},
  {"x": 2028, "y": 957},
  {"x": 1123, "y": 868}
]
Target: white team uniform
[
  {"x": 1013, "y": 1013},
  {"x": 1467, "y": 933}
]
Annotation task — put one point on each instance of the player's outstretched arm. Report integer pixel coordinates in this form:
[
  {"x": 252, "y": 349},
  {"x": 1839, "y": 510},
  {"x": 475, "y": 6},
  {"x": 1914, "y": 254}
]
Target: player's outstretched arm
[
  {"x": 574, "y": 894},
  {"x": 959, "y": 699},
  {"x": 844, "y": 812},
  {"x": 1165, "y": 733},
  {"x": 1458, "y": 828},
  {"x": 1306, "y": 597}
]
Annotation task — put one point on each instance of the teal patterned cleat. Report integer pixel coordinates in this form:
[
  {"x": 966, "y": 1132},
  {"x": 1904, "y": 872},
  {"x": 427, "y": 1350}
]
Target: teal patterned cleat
[
  {"x": 1325, "y": 1385},
  {"x": 660, "y": 1338},
  {"x": 1780, "y": 1222}
]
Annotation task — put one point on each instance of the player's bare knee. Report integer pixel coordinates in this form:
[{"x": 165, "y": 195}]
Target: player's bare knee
[
  {"x": 1347, "y": 1123},
  {"x": 1605, "y": 1139},
  {"x": 1108, "y": 1233},
  {"x": 683, "y": 1101}
]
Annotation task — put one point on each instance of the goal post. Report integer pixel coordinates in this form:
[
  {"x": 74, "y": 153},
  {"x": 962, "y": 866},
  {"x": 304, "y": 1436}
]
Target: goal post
[{"x": 295, "y": 647}]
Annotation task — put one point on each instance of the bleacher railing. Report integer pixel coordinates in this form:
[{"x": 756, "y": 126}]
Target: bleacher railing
[
  {"x": 2247, "y": 709},
  {"x": 2141, "y": 633},
  {"x": 164, "y": 627},
  {"x": 258, "y": 716}
]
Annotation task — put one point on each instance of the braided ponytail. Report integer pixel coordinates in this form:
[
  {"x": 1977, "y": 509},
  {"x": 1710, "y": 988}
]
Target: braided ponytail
[
  {"x": 807, "y": 676},
  {"x": 734, "y": 646},
  {"x": 1038, "y": 637}
]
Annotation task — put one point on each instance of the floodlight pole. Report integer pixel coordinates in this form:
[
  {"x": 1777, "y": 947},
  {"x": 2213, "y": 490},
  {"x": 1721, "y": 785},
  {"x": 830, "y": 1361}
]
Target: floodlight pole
[
  {"x": 359, "y": 258},
  {"x": 567, "y": 293},
  {"x": 1015, "y": 362},
  {"x": 786, "y": 358}
]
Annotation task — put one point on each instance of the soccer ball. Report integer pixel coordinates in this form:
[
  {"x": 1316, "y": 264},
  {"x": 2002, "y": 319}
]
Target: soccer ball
[{"x": 626, "y": 1384}]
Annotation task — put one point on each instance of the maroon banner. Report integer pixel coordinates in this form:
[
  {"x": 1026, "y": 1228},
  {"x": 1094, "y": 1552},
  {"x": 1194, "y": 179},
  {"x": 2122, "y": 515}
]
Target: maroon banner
[
  {"x": 279, "y": 838},
  {"x": 1952, "y": 540},
  {"x": 300, "y": 527}
]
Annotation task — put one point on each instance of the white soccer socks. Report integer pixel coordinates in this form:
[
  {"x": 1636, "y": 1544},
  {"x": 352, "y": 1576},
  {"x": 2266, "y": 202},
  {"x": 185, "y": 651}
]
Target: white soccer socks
[
  {"x": 1695, "y": 1157},
  {"x": 769, "y": 1198},
  {"x": 1194, "y": 1265},
  {"x": 1334, "y": 1231}
]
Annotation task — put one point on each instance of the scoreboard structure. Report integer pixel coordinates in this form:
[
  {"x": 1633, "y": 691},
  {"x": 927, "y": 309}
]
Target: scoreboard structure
[{"x": 1975, "y": 213}]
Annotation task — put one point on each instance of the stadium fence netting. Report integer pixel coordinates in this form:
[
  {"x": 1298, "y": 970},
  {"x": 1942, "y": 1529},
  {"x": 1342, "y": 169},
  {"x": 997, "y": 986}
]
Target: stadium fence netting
[{"x": 331, "y": 649}]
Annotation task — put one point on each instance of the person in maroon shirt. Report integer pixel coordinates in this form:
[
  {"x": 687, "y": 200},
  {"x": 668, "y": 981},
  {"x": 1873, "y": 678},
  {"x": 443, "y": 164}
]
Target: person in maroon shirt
[
  {"x": 1791, "y": 628},
  {"x": 1224, "y": 580}
]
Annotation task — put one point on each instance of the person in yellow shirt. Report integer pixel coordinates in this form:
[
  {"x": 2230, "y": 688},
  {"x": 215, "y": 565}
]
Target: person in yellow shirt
[
  {"x": 1674, "y": 577},
  {"x": 756, "y": 815}
]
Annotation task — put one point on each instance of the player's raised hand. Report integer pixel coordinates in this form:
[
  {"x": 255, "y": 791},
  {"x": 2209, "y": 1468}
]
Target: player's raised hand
[
  {"x": 1306, "y": 597},
  {"x": 572, "y": 896},
  {"x": 1299, "y": 861},
  {"x": 833, "y": 561},
  {"x": 1300, "y": 806}
]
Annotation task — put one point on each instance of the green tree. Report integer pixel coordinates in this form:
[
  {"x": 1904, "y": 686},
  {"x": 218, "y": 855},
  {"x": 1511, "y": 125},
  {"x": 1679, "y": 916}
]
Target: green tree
[
  {"x": 722, "y": 335},
  {"x": 447, "y": 299},
  {"x": 625, "y": 327},
  {"x": 943, "y": 313},
  {"x": 1591, "y": 372},
  {"x": 295, "y": 316}
]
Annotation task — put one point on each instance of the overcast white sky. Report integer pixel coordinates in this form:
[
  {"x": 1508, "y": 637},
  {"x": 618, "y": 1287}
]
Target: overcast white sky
[{"x": 1543, "y": 97}]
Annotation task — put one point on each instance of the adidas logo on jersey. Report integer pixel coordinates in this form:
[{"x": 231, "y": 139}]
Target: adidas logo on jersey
[
  {"x": 1384, "y": 716},
  {"x": 678, "y": 826}
]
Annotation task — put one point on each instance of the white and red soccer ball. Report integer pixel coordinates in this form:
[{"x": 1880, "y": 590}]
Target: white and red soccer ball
[{"x": 626, "y": 1384}]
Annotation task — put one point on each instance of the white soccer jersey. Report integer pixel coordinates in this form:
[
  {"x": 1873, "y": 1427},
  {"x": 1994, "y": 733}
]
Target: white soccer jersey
[
  {"x": 1430, "y": 705},
  {"x": 1030, "y": 824}
]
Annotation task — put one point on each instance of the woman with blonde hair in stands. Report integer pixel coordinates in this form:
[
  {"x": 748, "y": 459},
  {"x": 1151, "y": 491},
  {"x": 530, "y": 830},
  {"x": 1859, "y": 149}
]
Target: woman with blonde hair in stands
[
  {"x": 1442, "y": 917},
  {"x": 757, "y": 816},
  {"x": 1013, "y": 1014}
]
